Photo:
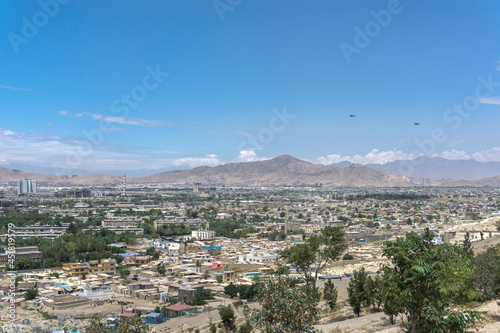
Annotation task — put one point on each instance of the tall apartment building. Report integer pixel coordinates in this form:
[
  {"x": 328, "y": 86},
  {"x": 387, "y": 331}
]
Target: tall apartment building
[{"x": 26, "y": 186}]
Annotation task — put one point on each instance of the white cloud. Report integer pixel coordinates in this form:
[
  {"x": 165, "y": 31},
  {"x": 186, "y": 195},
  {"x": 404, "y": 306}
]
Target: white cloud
[
  {"x": 381, "y": 157},
  {"x": 453, "y": 155},
  {"x": 60, "y": 153},
  {"x": 490, "y": 100},
  {"x": 15, "y": 89},
  {"x": 373, "y": 157},
  {"x": 193, "y": 162},
  {"x": 490, "y": 155},
  {"x": 117, "y": 120},
  {"x": 241, "y": 132},
  {"x": 248, "y": 156},
  {"x": 6, "y": 132}
]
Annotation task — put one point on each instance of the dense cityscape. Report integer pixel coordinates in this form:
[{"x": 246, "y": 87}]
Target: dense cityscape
[{"x": 176, "y": 255}]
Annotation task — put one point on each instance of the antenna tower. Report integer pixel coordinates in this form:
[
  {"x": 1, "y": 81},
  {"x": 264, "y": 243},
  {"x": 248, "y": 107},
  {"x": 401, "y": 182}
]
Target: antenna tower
[{"x": 124, "y": 186}]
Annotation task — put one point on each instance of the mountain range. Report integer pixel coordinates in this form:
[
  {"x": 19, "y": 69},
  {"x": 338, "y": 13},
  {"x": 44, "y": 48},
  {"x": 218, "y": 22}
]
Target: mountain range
[
  {"x": 288, "y": 170},
  {"x": 284, "y": 170},
  {"x": 438, "y": 167}
]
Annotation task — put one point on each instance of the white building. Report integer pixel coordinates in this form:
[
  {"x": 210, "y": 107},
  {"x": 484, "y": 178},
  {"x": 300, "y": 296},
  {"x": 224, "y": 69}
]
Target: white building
[
  {"x": 203, "y": 234},
  {"x": 259, "y": 257},
  {"x": 97, "y": 292},
  {"x": 437, "y": 240}
]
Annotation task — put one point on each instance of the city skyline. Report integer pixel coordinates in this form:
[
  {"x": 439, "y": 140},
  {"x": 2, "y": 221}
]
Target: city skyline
[{"x": 154, "y": 86}]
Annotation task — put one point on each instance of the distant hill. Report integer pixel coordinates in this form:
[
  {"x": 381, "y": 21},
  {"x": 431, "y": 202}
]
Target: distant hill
[
  {"x": 286, "y": 170},
  {"x": 9, "y": 175},
  {"x": 437, "y": 168},
  {"x": 343, "y": 163}
]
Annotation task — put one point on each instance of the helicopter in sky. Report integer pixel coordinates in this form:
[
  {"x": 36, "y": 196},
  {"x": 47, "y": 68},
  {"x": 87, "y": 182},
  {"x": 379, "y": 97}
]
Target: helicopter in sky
[
  {"x": 417, "y": 124},
  {"x": 352, "y": 115}
]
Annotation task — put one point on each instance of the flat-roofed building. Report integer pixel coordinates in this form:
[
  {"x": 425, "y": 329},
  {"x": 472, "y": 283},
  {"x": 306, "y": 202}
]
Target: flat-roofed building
[
  {"x": 102, "y": 266},
  {"x": 20, "y": 252},
  {"x": 136, "y": 261},
  {"x": 76, "y": 268},
  {"x": 257, "y": 257},
  {"x": 97, "y": 292},
  {"x": 121, "y": 223},
  {"x": 50, "y": 232},
  {"x": 203, "y": 234},
  {"x": 225, "y": 276}
]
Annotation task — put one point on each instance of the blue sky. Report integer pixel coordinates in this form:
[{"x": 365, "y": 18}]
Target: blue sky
[{"x": 142, "y": 87}]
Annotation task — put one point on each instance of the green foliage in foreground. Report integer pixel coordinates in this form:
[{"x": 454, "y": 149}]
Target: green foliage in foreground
[
  {"x": 319, "y": 250},
  {"x": 357, "y": 290},
  {"x": 125, "y": 325},
  {"x": 432, "y": 284},
  {"x": 286, "y": 308}
]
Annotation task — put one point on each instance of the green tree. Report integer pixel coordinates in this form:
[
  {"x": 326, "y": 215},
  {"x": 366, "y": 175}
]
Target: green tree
[
  {"x": 246, "y": 328},
  {"x": 228, "y": 318},
  {"x": 26, "y": 263},
  {"x": 160, "y": 269},
  {"x": 198, "y": 265},
  {"x": 31, "y": 293},
  {"x": 312, "y": 256},
  {"x": 218, "y": 278},
  {"x": 348, "y": 256},
  {"x": 358, "y": 295},
  {"x": 486, "y": 266},
  {"x": 330, "y": 294},
  {"x": 16, "y": 281},
  {"x": 124, "y": 271},
  {"x": 231, "y": 290},
  {"x": 285, "y": 308},
  {"x": 200, "y": 297},
  {"x": 373, "y": 288},
  {"x": 391, "y": 298},
  {"x": 433, "y": 283}
]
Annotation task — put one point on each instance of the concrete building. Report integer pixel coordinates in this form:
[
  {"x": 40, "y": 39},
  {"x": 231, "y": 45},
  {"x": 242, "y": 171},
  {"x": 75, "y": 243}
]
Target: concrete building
[
  {"x": 136, "y": 261},
  {"x": 76, "y": 269},
  {"x": 226, "y": 276},
  {"x": 257, "y": 257},
  {"x": 97, "y": 292},
  {"x": 74, "y": 193},
  {"x": 50, "y": 232},
  {"x": 121, "y": 223},
  {"x": 20, "y": 252},
  {"x": 203, "y": 234},
  {"x": 26, "y": 186},
  {"x": 102, "y": 266}
]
